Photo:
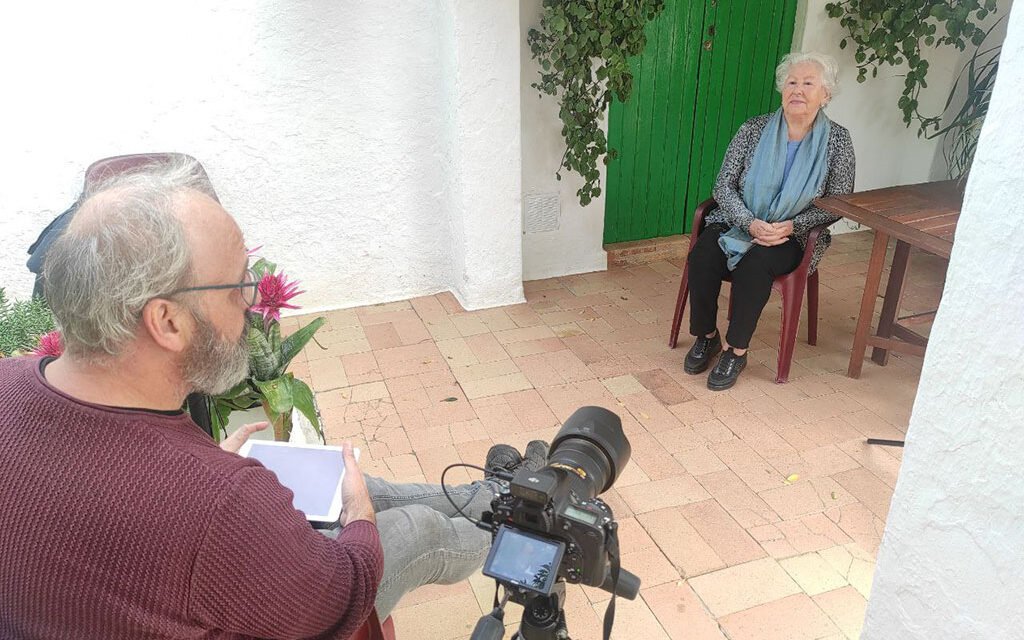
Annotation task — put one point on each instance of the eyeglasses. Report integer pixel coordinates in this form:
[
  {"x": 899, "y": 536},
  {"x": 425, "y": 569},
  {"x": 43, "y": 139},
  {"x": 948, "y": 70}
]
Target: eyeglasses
[{"x": 249, "y": 285}]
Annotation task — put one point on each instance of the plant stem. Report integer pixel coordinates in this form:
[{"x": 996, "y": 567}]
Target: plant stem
[{"x": 282, "y": 423}]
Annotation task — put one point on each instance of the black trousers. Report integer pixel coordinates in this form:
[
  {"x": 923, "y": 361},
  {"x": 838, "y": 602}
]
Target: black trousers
[{"x": 751, "y": 283}]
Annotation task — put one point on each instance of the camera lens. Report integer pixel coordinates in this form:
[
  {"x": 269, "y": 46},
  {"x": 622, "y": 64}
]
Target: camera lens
[{"x": 592, "y": 449}]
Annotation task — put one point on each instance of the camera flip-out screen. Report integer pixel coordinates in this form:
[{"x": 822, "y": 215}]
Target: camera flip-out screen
[{"x": 524, "y": 560}]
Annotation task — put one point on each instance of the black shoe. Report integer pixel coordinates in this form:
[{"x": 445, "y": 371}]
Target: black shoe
[
  {"x": 700, "y": 354},
  {"x": 503, "y": 458},
  {"x": 536, "y": 455},
  {"x": 726, "y": 371}
]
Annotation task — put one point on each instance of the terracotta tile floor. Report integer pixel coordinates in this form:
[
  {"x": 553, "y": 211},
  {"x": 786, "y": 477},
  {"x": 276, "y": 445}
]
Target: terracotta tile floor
[{"x": 751, "y": 513}]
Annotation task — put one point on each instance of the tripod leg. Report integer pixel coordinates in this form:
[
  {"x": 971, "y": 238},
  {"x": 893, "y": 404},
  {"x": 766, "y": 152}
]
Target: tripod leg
[{"x": 887, "y": 443}]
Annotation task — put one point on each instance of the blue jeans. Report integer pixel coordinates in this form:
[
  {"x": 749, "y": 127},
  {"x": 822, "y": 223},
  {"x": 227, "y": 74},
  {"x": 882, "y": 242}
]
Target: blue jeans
[{"x": 425, "y": 540}]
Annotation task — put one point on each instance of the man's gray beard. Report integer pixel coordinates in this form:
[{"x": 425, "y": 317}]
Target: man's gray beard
[{"x": 212, "y": 365}]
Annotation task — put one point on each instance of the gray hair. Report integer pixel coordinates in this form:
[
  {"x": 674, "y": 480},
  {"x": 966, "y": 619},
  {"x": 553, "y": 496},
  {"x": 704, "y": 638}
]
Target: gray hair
[
  {"x": 828, "y": 65},
  {"x": 125, "y": 247}
]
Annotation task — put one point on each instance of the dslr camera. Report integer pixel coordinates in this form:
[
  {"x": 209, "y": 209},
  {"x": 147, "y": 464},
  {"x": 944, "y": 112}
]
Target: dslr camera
[{"x": 551, "y": 528}]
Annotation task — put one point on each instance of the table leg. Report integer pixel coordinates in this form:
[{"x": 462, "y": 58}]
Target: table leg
[
  {"x": 893, "y": 297},
  {"x": 867, "y": 303}
]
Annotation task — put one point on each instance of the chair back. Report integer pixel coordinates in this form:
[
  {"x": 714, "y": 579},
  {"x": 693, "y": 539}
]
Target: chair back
[
  {"x": 116, "y": 165},
  {"x": 374, "y": 629}
]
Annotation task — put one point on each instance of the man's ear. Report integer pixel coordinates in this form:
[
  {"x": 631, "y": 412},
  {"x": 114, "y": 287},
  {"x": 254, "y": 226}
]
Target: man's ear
[{"x": 169, "y": 325}]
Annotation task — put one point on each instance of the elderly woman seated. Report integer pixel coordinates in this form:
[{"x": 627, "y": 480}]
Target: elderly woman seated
[{"x": 775, "y": 166}]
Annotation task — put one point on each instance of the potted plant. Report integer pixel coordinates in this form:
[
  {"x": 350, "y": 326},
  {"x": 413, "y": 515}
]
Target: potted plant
[
  {"x": 27, "y": 326},
  {"x": 269, "y": 383}
]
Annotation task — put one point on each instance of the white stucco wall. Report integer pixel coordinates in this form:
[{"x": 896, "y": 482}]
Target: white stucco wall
[
  {"x": 576, "y": 246},
  {"x": 951, "y": 558},
  {"x": 888, "y": 153},
  {"x": 487, "y": 142},
  {"x": 372, "y": 148}
]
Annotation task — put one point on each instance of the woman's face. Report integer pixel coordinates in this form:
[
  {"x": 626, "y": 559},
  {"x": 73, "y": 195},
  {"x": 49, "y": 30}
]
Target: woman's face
[{"x": 803, "y": 92}]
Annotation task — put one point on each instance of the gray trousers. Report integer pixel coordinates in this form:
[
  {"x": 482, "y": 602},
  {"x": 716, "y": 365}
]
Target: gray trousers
[{"x": 425, "y": 540}]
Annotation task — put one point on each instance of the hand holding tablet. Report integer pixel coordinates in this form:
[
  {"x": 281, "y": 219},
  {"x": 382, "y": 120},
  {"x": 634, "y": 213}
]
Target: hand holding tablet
[
  {"x": 355, "y": 497},
  {"x": 316, "y": 476}
]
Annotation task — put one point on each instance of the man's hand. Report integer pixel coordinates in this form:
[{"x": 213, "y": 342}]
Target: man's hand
[
  {"x": 355, "y": 497},
  {"x": 235, "y": 441}
]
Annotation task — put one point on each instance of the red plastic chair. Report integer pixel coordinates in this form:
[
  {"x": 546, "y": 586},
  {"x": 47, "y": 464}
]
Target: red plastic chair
[
  {"x": 374, "y": 629},
  {"x": 791, "y": 286},
  {"x": 115, "y": 165}
]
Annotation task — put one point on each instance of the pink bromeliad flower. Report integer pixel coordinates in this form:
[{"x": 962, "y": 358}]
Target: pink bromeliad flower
[
  {"x": 275, "y": 292},
  {"x": 50, "y": 344}
]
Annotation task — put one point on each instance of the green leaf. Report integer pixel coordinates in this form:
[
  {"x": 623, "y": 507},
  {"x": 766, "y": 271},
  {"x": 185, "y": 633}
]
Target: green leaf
[
  {"x": 293, "y": 344},
  {"x": 263, "y": 361},
  {"x": 278, "y": 393},
  {"x": 22, "y": 322},
  {"x": 450, "y": 399},
  {"x": 274, "y": 337},
  {"x": 263, "y": 266},
  {"x": 302, "y": 398},
  {"x": 940, "y": 12},
  {"x": 237, "y": 390}
]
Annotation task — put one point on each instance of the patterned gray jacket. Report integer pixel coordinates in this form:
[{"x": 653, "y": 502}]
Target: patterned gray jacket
[{"x": 731, "y": 209}]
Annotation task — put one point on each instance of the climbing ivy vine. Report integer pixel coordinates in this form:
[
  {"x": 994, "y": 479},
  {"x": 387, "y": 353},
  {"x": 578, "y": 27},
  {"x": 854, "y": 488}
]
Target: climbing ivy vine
[
  {"x": 583, "y": 48},
  {"x": 894, "y": 32}
]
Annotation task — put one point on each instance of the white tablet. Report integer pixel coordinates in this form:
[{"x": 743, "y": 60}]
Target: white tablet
[{"x": 312, "y": 472}]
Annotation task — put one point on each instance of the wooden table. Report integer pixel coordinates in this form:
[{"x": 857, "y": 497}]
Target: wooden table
[{"x": 918, "y": 215}]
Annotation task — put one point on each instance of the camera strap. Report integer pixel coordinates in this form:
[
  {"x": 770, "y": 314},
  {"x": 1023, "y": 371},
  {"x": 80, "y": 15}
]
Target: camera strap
[{"x": 612, "y": 546}]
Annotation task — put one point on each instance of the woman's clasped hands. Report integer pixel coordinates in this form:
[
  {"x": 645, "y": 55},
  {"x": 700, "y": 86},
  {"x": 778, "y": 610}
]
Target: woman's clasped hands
[{"x": 769, "y": 234}]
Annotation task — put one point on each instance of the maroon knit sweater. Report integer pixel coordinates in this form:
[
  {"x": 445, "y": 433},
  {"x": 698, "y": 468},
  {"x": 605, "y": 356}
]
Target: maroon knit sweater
[{"x": 119, "y": 523}]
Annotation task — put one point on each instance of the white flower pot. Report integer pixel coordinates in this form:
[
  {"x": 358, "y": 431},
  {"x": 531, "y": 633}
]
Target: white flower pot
[{"x": 302, "y": 429}]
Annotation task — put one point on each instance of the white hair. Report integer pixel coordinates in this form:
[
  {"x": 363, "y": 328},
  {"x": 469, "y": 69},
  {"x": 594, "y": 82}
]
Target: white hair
[
  {"x": 828, "y": 65},
  {"x": 125, "y": 247}
]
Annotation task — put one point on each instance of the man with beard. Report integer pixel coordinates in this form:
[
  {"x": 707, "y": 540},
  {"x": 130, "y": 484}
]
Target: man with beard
[{"x": 120, "y": 518}]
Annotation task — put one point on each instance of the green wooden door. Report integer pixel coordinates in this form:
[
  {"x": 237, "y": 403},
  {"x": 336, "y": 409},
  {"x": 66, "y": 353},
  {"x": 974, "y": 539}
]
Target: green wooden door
[{"x": 708, "y": 66}]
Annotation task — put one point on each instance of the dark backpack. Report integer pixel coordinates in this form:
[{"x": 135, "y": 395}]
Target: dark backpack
[{"x": 37, "y": 252}]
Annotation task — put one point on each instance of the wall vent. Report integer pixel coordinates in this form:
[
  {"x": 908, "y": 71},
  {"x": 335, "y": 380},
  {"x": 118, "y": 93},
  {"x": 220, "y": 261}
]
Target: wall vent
[{"x": 543, "y": 211}]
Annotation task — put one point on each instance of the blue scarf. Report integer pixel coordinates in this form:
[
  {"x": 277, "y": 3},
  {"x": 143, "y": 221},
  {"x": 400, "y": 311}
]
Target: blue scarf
[{"x": 766, "y": 194}]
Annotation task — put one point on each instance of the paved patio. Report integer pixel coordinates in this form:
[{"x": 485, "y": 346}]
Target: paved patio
[{"x": 754, "y": 513}]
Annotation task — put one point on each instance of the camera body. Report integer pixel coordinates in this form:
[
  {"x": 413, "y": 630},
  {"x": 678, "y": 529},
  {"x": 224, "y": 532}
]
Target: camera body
[
  {"x": 542, "y": 502},
  {"x": 550, "y": 527},
  {"x": 554, "y": 515}
]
